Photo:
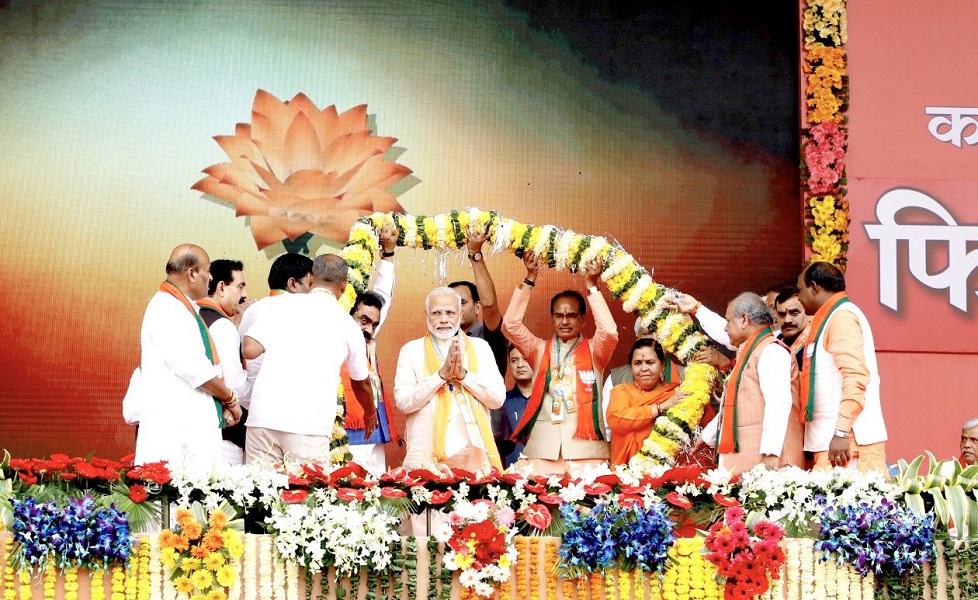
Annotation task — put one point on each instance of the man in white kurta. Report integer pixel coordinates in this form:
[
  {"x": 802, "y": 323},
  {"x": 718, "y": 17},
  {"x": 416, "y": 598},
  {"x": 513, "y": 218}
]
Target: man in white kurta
[
  {"x": 180, "y": 422},
  {"x": 305, "y": 339},
  {"x": 415, "y": 390}
]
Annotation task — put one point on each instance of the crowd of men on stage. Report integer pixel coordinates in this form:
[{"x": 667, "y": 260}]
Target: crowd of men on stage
[{"x": 802, "y": 385}]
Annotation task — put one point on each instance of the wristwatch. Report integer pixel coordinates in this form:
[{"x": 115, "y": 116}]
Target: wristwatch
[{"x": 476, "y": 257}]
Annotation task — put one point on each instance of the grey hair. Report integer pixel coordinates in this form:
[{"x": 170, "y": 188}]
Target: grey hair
[
  {"x": 970, "y": 424},
  {"x": 330, "y": 268},
  {"x": 752, "y": 305},
  {"x": 442, "y": 291}
]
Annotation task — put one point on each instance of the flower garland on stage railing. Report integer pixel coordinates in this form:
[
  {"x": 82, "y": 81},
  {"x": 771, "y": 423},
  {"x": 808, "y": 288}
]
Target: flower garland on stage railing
[
  {"x": 824, "y": 141},
  {"x": 201, "y": 554},
  {"x": 560, "y": 249}
]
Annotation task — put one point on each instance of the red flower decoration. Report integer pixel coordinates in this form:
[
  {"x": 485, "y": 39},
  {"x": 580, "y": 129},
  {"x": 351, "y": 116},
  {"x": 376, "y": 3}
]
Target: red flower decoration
[
  {"x": 137, "y": 493},
  {"x": 28, "y": 479},
  {"x": 725, "y": 500},
  {"x": 596, "y": 489},
  {"x": 294, "y": 496},
  {"x": 551, "y": 499},
  {"x": 349, "y": 494},
  {"x": 538, "y": 516},
  {"x": 679, "y": 500},
  {"x": 392, "y": 492},
  {"x": 439, "y": 497},
  {"x": 630, "y": 500}
]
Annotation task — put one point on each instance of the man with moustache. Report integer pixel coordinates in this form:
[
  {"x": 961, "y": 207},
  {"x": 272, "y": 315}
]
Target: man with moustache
[
  {"x": 504, "y": 419},
  {"x": 185, "y": 401},
  {"x": 755, "y": 425},
  {"x": 969, "y": 443},
  {"x": 446, "y": 383},
  {"x": 790, "y": 315},
  {"x": 305, "y": 340},
  {"x": 226, "y": 297},
  {"x": 840, "y": 382},
  {"x": 563, "y": 423},
  {"x": 369, "y": 311}
]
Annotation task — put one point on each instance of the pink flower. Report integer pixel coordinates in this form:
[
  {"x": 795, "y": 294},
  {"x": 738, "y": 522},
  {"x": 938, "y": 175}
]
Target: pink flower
[{"x": 505, "y": 516}]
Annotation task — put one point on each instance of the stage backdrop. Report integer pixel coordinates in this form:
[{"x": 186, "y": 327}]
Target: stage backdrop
[
  {"x": 912, "y": 169},
  {"x": 670, "y": 128}
]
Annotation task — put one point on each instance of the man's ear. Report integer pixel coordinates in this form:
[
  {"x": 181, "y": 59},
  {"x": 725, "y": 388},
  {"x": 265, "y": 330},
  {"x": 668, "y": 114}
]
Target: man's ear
[
  {"x": 291, "y": 284},
  {"x": 221, "y": 286}
]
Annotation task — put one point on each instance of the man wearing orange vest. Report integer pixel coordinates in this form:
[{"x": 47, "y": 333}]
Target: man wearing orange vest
[
  {"x": 755, "y": 425},
  {"x": 840, "y": 382}
]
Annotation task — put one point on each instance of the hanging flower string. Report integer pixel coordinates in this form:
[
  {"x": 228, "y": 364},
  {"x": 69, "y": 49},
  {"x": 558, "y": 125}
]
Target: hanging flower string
[
  {"x": 627, "y": 281},
  {"x": 824, "y": 140}
]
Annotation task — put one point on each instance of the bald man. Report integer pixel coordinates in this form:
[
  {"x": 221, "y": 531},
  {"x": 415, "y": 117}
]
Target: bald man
[{"x": 185, "y": 402}]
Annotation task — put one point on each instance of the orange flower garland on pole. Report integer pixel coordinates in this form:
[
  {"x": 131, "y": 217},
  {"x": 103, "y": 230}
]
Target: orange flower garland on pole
[{"x": 824, "y": 139}]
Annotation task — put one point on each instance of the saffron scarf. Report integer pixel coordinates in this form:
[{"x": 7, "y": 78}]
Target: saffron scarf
[
  {"x": 728, "y": 431},
  {"x": 212, "y": 305},
  {"x": 354, "y": 412},
  {"x": 588, "y": 403},
  {"x": 205, "y": 336},
  {"x": 816, "y": 328},
  {"x": 448, "y": 393}
]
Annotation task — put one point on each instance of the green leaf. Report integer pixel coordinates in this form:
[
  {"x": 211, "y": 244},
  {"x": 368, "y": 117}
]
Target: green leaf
[
  {"x": 916, "y": 503},
  {"x": 958, "y": 507}
]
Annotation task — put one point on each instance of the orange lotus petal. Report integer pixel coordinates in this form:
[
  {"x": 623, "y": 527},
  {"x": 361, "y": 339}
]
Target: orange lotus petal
[
  {"x": 314, "y": 184},
  {"x": 239, "y": 147},
  {"x": 354, "y": 119},
  {"x": 349, "y": 151},
  {"x": 302, "y": 150},
  {"x": 374, "y": 172},
  {"x": 296, "y": 169}
]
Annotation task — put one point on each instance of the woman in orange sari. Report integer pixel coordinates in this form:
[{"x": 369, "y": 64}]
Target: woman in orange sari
[{"x": 635, "y": 406}]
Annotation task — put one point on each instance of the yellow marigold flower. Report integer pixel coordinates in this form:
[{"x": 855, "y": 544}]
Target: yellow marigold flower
[
  {"x": 226, "y": 575},
  {"x": 214, "y": 561},
  {"x": 168, "y": 556},
  {"x": 217, "y": 595},
  {"x": 235, "y": 548},
  {"x": 190, "y": 564},
  {"x": 184, "y": 585},
  {"x": 202, "y": 579}
]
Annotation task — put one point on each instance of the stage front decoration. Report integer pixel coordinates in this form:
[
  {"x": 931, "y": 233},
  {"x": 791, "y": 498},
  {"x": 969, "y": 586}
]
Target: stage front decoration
[
  {"x": 824, "y": 140},
  {"x": 560, "y": 249},
  {"x": 297, "y": 170}
]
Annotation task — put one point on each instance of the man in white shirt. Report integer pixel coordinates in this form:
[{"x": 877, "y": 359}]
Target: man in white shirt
[
  {"x": 445, "y": 384},
  {"x": 305, "y": 339},
  {"x": 184, "y": 399},
  {"x": 755, "y": 424},
  {"x": 226, "y": 298}
]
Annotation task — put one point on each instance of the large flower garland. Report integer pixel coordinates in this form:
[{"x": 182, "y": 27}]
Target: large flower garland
[
  {"x": 201, "y": 554},
  {"x": 824, "y": 141},
  {"x": 560, "y": 249}
]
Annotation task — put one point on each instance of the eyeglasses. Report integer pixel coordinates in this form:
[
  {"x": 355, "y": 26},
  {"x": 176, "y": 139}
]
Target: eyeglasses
[{"x": 565, "y": 316}]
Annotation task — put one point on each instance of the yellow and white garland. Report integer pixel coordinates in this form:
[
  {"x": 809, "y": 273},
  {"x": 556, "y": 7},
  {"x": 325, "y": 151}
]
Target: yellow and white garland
[{"x": 560, "y": 249}]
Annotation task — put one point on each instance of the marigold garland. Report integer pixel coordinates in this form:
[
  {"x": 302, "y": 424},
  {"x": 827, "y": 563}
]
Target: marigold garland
[
  {"x": 97, "y": 585},
  {"x": 522, "y": 564},
  {"x": 118, "y": 583},
  {"x": 50, "y": 582},
  {"x": 9, "y": 588},
  {"x": 25, "y": 584},
  {"x": 534, "y": 557},
  {"x": 250, "y": 563},
  {"x": 609, "y": 584},
  {"x": 71, "y": 583},
  {"x": 566, "y": 588},
  {"x": 625, "y": 278},
  {"x": 129, "y": 584},
  {"x": 142, "y": 577},
  {"x": 550, "y": 567},
  {"x": 596, "y": 585}
]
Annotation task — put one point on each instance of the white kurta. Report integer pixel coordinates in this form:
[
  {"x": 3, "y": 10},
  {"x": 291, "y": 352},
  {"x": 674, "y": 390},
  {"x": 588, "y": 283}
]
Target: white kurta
[
  {"x": 179, "y": 422},
  {"x": 228, "y": 344},
  {"x": 414, "y": 392}
]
